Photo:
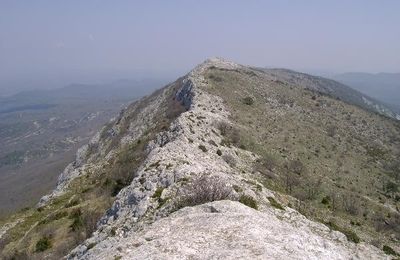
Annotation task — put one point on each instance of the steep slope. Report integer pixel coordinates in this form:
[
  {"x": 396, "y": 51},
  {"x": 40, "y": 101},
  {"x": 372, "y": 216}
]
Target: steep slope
[{"x": 256, "y": 149}]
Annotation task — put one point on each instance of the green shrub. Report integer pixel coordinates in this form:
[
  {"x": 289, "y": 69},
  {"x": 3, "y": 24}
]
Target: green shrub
[
  {"x": 248, "y": 101},
  {"x": 71, "y": 203},
  {"x": 219, "y": 152},
  {"x": 391, "y": 187},
  {"x": 231, "y": 134},
  {"x": 157, "y": 193},
  {"x": 351, "y": 235},
  {"x": 161, "y": 202},
  {"x": 237, "y": 188},
  {"x": 275, "y": 204},
  {"x": 118, "y": 186},
  {"x": 91, "y": 245},
  {"x": 388, "y": 250},
  {"x": 212, "y": 142},
  {"x": 154, "y": 165},
  {"x": 43, "y": 244},
  {"x": 325, "y": 200},
  {"x": 113, "y": 232},
  {"x": 203, "y": 148},
  {"x": 77, "y": 223},
  {"x": 248, "y": 201}
]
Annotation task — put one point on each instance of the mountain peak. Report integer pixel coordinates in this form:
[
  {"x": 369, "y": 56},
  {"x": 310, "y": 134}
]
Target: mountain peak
[{"x": 218, "y": 62}]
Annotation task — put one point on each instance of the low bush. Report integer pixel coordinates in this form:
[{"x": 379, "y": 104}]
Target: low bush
[
  {"x": 43, "y": 244},
  {"x": 157, "y": 193},
  {"x": 203, "y": 148},
  {"x": 231, "y": 134},
  {"x": 265, "y": 165},
  {"x": 229, "y": 159},
  {"x": 202, "y": 190},
  {"x": 91, "y": 245},
  {"x": 212, "y": 142},
  {"x": 351, "y": 235},
  {"x": 76, "y": 216},
  {"x": 248, "y": 201},
  {"x": 118, "y": 186},
  {"x": 325, "y": 200},
  {"x": 248, "y": 101},
  {"x": 237, "y": 188},
  {"x": 388, "y": 250},
  {"x": 72, "y": 202},
  {"x": 275, "y": 204}
]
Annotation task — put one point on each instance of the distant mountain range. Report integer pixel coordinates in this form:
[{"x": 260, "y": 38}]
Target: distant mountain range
[{"x": 382, "y": 86}]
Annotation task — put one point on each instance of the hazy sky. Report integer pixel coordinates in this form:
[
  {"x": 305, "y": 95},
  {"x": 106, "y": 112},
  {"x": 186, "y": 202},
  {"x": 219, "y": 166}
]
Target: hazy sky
[{"x": 75, "y": 39}]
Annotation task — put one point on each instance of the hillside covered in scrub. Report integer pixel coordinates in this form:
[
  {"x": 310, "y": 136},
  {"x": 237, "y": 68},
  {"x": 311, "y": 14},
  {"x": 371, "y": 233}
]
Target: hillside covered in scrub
[{"x": 228, "y": 161}]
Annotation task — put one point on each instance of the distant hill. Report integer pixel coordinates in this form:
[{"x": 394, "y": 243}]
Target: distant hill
[
  {"x": 121, "y": 89},
  {"x": 382, "y": 86}
]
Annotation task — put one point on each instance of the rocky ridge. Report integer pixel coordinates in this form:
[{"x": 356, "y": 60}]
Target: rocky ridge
[{"x": 139, "y": 226}]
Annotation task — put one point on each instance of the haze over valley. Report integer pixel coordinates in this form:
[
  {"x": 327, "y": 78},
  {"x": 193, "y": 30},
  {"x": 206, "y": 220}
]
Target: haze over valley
[{"x": 41, "y": 130}]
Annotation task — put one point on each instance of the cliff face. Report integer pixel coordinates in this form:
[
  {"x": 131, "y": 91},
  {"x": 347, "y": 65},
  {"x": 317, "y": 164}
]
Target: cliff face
[{"x": 182, "y": 174}]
